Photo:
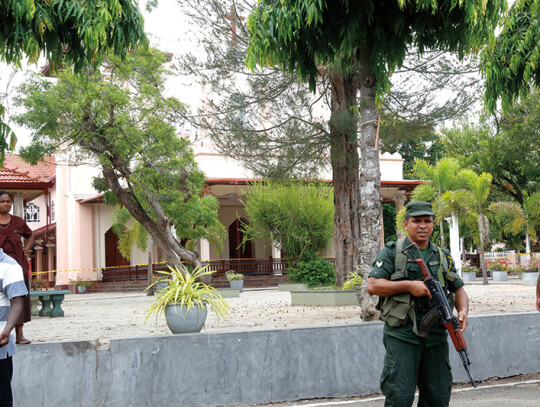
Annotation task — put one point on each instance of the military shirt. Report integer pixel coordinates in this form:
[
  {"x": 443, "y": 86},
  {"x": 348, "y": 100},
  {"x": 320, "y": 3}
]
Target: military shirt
[{"x": 383, "y": 267}]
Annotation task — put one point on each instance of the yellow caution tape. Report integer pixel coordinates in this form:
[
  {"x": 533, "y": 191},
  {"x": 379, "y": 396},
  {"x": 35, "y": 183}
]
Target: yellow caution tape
[{"x": 36, "y": 273}]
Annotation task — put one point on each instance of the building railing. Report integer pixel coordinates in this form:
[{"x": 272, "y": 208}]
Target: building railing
[{"x": 248, "y": 267}]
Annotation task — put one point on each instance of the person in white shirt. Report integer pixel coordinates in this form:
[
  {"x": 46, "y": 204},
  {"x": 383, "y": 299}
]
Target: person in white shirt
[{"x": 12, "y": 293}]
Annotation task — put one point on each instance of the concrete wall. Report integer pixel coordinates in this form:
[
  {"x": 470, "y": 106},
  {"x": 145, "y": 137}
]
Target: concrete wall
[{"x": 249, "y": 367}]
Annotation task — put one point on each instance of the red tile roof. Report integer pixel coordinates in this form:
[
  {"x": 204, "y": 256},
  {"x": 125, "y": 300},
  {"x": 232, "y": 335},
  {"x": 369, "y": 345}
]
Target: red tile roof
[{"x": 15, "y": 170}]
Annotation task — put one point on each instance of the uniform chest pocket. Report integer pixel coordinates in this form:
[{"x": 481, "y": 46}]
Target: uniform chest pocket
[{"x": 395, "y": 309}]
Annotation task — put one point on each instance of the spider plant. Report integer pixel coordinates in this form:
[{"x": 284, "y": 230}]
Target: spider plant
[
  {"x": 353, "y": 280},
  {"x": 185, "y": 289}
]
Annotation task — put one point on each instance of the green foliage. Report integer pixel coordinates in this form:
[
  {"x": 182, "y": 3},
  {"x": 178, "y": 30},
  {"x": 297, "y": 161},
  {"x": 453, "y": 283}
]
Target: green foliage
[
  {"x": 302, "y": 35},
  {"x": 81, "y": 283},
  {"x": 131, "y": 133},
  {"x": 296, "y": 216},
  {"x": 232, "y": 275},
  {"x": 70, "y": 32},
  {"x": 129, "y": 231},
  {"x": 508, "y": 148},
  {"x": 7, "y": 136},
  {"x": 185, "y": 288},
  {"x": 313, "y": 270},
  {"x": 511, "y": 63},
  {"x": 531, "y": 208},
  {"x": 353, "y": 280},
  {"x": 412, "y": 140},
  {"x": 389, "y": 222}
]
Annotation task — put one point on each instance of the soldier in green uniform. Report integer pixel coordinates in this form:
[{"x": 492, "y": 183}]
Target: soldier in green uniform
[{"x": 410, "y": 360}]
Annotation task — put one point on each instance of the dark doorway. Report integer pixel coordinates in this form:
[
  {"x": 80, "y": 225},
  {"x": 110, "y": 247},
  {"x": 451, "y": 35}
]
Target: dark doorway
[
  {"x": 112, "y": 255},
  {"x": 235, "y": 238}
]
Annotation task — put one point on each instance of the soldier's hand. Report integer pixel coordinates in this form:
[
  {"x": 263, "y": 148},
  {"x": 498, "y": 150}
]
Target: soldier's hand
[
  {"x": 462, "y": 319},
  {"x": 419, "y": 289}
]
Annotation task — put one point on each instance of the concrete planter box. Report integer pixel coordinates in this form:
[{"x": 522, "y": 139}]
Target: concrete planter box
[
  {"x": 530, "y": 278},
  {"x": 324, "y": 298},
  {"x": 237, "y": 284},
  {"x": 292, "y": 287},
  {"x": 499, "y": 275},
  {"x": 468, "y": 276},
  {"x": 229, "y": 292}
]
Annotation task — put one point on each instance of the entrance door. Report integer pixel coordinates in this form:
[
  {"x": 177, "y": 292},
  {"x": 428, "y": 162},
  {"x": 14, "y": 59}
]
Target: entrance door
[
  {"x": 235, "y": 238},
  {"x": 112, "y": 255}
]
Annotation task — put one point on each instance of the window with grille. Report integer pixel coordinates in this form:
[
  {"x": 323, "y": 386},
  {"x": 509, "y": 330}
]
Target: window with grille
[{"x": 31, "y": 213}]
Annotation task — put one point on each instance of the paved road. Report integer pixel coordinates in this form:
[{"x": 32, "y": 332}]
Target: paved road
[{"x": 522, "y": 391}]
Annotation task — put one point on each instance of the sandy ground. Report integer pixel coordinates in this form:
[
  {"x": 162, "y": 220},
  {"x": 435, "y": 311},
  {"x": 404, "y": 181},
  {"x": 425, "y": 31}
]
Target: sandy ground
[{"x": 111, "y": 316}]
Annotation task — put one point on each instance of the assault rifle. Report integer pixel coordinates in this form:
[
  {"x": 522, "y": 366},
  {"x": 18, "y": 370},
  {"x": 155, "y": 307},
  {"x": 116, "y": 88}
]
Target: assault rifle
[{"x": 440, "y": 308}]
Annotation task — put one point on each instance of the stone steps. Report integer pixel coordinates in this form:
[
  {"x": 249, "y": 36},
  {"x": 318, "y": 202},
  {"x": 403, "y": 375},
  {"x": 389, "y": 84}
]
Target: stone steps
[{"x": 218, "y": 282}]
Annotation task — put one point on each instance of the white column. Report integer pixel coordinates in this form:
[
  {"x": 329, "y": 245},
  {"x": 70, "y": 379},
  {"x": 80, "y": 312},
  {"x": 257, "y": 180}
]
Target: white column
[
  {"x": 455, "y": 249},
  {"x": 276, "y": 254},
  {"x": 204, "y": 249},
  {"x": 399, "y": 200},
  {"x": 50, "y": 260},
  {"x": 18, "y": 204}
]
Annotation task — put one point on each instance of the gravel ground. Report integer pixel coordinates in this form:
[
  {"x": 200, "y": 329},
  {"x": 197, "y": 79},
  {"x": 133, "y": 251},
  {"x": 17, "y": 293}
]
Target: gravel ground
[{"x": 111, "y": 316}]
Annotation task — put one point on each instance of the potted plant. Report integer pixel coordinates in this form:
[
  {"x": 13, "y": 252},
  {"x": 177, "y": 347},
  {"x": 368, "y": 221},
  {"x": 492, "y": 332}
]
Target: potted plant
[
  {"x": 39, "y": 284},
  {"x": 82, "y": 285},
  {"x": 530, "y": 272},
  {"x": 468, "y": 271},
  {"x": 236, "y": 280},
  {"x": 159, "y": 282},
  {"x": 354, "y": 282},
  {"x": 498, "y": 269},
  {"x": 185, "y": 300}
]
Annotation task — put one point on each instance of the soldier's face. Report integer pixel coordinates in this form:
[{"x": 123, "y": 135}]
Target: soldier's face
[{"x": 419, "y": 229}]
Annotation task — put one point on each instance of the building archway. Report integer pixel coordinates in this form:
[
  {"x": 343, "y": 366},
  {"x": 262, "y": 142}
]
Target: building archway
[
  {"x": 112, "y": 254},
  {"x": 235, "y": 238}
]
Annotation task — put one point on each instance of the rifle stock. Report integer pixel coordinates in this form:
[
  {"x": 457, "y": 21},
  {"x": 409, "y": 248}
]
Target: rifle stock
[{"x": 440, "y": 309}]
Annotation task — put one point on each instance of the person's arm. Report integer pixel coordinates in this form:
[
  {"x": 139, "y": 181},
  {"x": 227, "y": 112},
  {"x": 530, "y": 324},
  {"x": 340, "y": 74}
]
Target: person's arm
[
  {"x": 385, "y": 288},
  {"x": 29, "y": 242},
  {"x": 538, "y": 294},
  {"x": 15, "y": 312},
  {"x": 462, "y": 306}
]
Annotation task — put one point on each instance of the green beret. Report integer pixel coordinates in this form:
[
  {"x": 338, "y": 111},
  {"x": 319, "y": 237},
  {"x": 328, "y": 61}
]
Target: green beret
[{"x": 419, "y": 208}]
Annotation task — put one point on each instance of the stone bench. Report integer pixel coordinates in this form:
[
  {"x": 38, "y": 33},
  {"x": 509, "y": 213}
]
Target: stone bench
[{"x": 54, "y": 297}]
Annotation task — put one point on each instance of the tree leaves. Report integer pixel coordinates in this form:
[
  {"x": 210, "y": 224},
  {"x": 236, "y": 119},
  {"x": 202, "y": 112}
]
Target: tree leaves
[
  {"x": 312, "y": 34},
  {"x": 511, "y": 63},
  {"x": 77, "y": 32}
]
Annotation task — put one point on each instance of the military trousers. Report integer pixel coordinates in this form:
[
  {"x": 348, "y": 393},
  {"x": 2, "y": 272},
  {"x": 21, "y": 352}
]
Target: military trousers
[{"x": 407, "y": 365}]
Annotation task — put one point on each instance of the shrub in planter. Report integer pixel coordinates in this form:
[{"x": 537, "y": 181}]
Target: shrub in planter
[
  {"x": 39, "y": 284},
  {"x": 233, "y": 275},
  {"x": 185, "y": 300},
  {"x": 353, "y": 280},
  {"x": 236, "y": 280},
  {"x": 159, "y": 282},
  {"x": 312, "y": 270},
  {"x": 81, "y": 285}
]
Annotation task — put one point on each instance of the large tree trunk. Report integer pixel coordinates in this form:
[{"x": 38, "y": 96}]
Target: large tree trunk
[
  {"x": 370, "y": 183},
  {"x": 344, "y": 158}
]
